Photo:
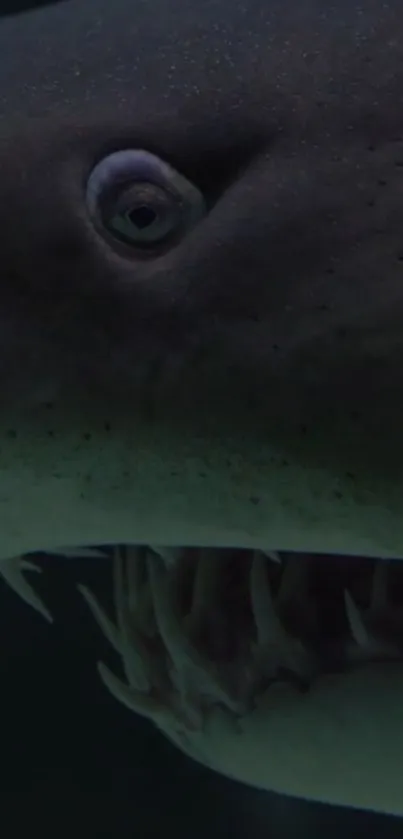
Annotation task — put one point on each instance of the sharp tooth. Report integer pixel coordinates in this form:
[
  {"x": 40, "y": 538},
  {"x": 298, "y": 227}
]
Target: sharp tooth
[
  {"x": 379, "y": 592},
  {"x": 132, "y": 659},
  {"x": 105, "y": 624},
  {"x": 168, "y": 623},
  {"x": 275, "y": 648},
  {"x": 357, "y": 627},
  {"x": 169, "y": 555},
  {"x": 194, "y": 671},
  {"x": 273, "y": 555},
  {"x": 12, "y": 571},
  {"x": 133, "y": 655},
  {"x": 268, "y": 625},
  {"x": 27, "y": 565},
  {"x": 142, "y": 704}
]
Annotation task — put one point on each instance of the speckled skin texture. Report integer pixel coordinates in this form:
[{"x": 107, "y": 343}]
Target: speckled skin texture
[{"x": 244, "y": 386}]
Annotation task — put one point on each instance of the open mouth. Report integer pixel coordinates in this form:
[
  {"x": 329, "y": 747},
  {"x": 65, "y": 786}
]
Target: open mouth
[
  {"x": 282, "y": 670},
  {"x": 201, "y": 629}
]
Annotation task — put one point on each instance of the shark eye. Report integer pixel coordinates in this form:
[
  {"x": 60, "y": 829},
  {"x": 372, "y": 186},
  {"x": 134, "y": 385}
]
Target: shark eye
[{"x": 140, "y": 200}]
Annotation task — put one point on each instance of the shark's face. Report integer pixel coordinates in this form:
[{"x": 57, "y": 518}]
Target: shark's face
[
  {"x": 227, "y": 370},
  {"x": 201, "y": 300}
]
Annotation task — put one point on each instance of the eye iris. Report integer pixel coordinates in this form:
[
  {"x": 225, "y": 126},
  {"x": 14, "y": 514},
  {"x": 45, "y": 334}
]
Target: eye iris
[
  {"x": 139, "y": 199},
  {"x": 143, "y": 215}
]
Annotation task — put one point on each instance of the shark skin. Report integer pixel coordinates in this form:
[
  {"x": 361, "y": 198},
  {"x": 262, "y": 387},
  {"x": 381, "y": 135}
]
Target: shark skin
[
  {"x": 242, "y": 387},
  {"x": 237, "y": 381}
]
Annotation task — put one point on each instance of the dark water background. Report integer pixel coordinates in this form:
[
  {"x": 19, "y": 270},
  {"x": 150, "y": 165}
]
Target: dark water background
[
  {"x": 13, "y": 7},
  {"x": 76, "y": 762}
]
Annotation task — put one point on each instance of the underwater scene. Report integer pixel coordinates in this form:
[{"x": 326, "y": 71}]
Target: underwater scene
[{"x": 201, "y": 412}]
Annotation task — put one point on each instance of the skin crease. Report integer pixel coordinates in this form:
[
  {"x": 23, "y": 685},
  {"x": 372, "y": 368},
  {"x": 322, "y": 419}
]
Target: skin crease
[{"x": 244, "y": 387}]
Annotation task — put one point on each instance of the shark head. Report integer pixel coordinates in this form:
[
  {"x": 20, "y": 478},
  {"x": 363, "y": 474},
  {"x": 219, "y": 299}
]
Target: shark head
[{"x": 201, "y": 300}]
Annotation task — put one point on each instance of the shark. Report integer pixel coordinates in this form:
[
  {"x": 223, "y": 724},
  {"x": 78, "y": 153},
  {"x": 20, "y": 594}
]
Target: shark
[{"x": 201, "y": 355}]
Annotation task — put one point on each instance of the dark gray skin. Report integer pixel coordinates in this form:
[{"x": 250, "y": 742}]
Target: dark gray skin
[{"x": 243, "y": 387}]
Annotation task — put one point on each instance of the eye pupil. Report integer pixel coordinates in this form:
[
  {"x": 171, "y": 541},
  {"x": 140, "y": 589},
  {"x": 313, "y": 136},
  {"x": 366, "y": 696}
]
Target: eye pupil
[{"x": 142, "y": 216}]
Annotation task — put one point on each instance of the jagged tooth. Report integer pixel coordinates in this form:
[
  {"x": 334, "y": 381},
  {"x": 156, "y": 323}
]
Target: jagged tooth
[
  {"x": 189, "y": 665},
  {"x": 133, "y": 656},
  {"x": 269, "y": 628},
  {"x": 175, "y": 640},
  {"x": 275, "y": 647},
  {"x": 124, "y": 639},
  {"x": 138, "y": 702},
  {"x": 170, "y": 556},
  {"x": 356, "y": 625},
  {"x": 379, "y": 589},
  {"x": 11, "y": 570},
  {"x": 105, "y": 624},
  {"x": 273, "y": 555},
  {"x": 27, "y": 565}
]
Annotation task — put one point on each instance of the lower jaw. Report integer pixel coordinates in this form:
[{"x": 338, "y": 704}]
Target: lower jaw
[
  {"x": 237, "y": 622},
  {"x": 284, "y": 671}
]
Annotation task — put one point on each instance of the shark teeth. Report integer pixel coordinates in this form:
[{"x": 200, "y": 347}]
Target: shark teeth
[
  {"x": 193, "y": 672},
  {"x": 183, "y": 650},
  {"x": 368, "y": 644},
  {"x": 275, "y": 648},
  {"x": 106, "y": 625},
  {"x": 357, "y": 628},
  {"x": 273, "y": 555},
  {"x": 168, "y": 679},
  {"x": 134, "y": 700},
  {"x": 170, "y": 556},
  {"x": 12, "y": 570}
]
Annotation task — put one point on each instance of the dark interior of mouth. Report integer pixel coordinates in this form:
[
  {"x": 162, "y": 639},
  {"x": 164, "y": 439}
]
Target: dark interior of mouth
[
  {"x": 344, "y": 609},
  {"x": 219, "y": 627}
]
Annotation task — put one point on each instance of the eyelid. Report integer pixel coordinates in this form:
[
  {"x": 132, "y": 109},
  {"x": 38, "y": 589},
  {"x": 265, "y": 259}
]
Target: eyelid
[{"x": 120, "y": 166}]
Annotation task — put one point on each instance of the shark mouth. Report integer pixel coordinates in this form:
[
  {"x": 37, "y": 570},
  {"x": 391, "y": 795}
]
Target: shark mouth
[
  {"x": 198, "y": 630},
  {"x": 282, "y": 671}
]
